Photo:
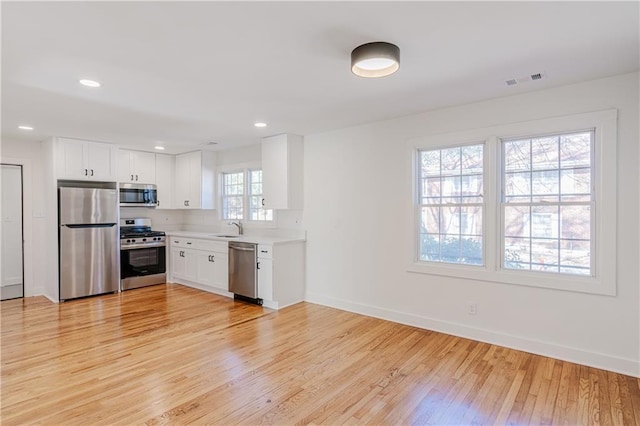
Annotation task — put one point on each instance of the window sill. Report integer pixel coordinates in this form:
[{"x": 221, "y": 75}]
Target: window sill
[{"x": 591, "y": 285}]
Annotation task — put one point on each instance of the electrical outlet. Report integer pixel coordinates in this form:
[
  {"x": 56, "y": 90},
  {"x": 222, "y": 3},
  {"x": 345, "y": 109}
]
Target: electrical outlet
[{"x": 473, "y": 309}]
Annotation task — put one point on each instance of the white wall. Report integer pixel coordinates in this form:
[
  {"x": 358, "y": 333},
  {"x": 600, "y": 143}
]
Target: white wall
[
  {"x": 359, "y": 219},
  {"x": 29, "y": 154},
  {"x": 161, "y": 220}
]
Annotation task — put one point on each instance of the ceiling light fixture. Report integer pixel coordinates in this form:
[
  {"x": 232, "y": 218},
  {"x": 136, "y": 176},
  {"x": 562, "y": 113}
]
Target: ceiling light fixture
[
  {"x": 25, "y": 128},
  {"x": 377, "y": 59},
  {"x": 90, "y": 83},
  {"x": 160, "y": 148},
  {"x": 260, "y": 124}
]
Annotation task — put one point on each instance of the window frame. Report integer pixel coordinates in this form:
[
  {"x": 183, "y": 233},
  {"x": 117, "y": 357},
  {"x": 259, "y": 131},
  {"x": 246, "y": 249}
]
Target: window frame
[
  {"x": 604, "y": 182},
  {"x": 245, "y": 169}
]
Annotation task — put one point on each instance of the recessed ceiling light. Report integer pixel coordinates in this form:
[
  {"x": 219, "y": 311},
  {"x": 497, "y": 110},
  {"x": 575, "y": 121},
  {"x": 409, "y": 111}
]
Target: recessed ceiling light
[
  {"x": 90, "y": 83},
  {"x": 25, "y": 127},
  {"x": 161, "y": 148},
  {"x": 260, "y": 124}
]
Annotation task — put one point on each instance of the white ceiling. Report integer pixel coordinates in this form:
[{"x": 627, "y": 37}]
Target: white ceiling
[{"x": 184, "y": 74}]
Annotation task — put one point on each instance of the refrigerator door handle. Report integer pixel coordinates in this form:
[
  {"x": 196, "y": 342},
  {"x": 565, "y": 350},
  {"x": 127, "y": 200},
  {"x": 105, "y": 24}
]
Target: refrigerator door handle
[{"x": 91, "y": 225}]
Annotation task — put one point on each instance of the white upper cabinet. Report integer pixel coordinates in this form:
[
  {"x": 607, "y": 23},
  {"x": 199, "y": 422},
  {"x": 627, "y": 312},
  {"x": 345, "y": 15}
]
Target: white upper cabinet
[
  {"x": 282, "y": 172},
  {"x": 165, "y": 180},
  {"x": 195, "y": 180},
  {"x": 85, "y": 160},
  {"x": 136, "y": 167}
]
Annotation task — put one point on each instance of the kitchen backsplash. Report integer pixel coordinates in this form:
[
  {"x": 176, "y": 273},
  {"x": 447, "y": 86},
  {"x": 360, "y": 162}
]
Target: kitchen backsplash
[
  {"x": 160, "y": 219},
  {"x": 288, "y": 222}
]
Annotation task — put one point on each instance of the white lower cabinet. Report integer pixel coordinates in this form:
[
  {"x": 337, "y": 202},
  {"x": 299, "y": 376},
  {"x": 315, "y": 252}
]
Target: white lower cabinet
[
  {"x": 265, "y": 279},
  {"x": 213, "y": 269},
  {"x": 178, "y": 263},
  {"x": 184, "y": 262},
  {"x": 200, "y": 262},
  {"x": 281, "y": 274},
  {"x": 204, "y": 264}
]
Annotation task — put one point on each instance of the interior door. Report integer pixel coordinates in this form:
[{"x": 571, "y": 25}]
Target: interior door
[{"x": 12, "y": 283}]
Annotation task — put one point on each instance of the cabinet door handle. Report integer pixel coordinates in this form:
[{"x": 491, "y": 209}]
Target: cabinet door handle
[
  {"x": 86, "y": 172},
  {"x": 175, "y": 241},
  {"x": 158, "y": 203},
  {"x": 131, "y": 178},
  {"x": 136, "y": 178},
  {"x": 185, "y": 203},
  {"x": 263, "y": 202},
  {"x": 188, "y": 243},
  {"x": 91, "y": 172},
  {"x": 258, "y": 265},
  {"x": 264, "y": 251}
]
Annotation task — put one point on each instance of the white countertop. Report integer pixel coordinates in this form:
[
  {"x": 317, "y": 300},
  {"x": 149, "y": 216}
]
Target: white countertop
[{"x": 256, "y": 239}]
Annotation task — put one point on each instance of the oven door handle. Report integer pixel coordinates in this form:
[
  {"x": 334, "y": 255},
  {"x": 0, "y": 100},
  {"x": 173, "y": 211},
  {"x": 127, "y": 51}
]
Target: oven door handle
[{"x": 143, "y": 246}]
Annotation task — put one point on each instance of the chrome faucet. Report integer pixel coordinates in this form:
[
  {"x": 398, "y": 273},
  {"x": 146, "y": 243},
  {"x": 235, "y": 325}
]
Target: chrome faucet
[{"x": 239, "y": 225}]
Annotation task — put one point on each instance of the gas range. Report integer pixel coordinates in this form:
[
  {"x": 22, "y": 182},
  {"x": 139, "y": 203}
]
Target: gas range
[
  {"x": 137, "y": 233},
  {"x": 142, "y": 254}
]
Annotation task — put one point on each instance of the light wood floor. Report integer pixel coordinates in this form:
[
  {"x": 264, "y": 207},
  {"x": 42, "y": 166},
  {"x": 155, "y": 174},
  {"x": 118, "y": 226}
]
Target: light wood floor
[{"x": 171, "y": 354}]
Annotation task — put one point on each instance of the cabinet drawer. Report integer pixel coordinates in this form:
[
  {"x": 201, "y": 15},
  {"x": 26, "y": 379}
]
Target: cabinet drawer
[
  {"x": 265, "y": 251},
  {"x": 218, "y": 246},
  {"x": 183, "y": 242}
]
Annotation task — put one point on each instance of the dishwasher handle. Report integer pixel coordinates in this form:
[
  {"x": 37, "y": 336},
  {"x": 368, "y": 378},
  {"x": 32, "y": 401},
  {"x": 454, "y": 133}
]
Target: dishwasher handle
[{"x": 241, "y": 248}]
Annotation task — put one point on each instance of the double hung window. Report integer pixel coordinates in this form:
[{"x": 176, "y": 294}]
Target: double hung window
[
  {"x": 242, "y": 196},
  {"x": 451, "y": 205},
  {"x": 547, "y": 202},
  {"x": 537, "y": 209}
]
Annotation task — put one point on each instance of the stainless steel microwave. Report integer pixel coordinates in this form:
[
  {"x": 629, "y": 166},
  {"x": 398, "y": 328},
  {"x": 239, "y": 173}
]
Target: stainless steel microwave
[{"x": 138, "y": 195}]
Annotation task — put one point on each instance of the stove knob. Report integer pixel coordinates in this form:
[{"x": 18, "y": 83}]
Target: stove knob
[{"x": 128, "y": 241}]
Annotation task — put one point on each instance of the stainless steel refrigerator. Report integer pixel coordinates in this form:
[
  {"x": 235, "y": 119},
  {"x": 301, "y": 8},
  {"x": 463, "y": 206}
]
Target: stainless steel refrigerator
[{"x": 89, "y": 252}]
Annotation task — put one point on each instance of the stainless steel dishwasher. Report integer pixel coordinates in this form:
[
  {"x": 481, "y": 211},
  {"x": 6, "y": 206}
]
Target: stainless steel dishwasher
[{"x": 243, "y": 274}]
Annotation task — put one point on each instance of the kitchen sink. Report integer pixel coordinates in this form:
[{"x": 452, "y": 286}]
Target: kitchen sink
[{"x": 225, "y": 236}]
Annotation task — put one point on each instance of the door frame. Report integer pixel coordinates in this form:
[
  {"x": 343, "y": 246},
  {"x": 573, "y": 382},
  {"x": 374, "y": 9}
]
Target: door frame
[{"x": 28, "y": 285}]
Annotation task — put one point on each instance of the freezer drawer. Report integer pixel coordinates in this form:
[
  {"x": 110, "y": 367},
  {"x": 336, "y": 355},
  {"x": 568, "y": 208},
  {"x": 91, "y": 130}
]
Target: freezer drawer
[{"x": 89, "y": 260}]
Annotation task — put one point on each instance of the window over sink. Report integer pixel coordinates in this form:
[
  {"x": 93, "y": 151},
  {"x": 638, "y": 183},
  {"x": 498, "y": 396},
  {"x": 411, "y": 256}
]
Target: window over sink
[{"x": 242, "y": 196}]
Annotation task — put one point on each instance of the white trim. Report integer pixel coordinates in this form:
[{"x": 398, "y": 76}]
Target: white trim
[
  {"x": 566, "y": 353},
  {"x": 203, "y": 287},
  {"x": 29, "y": 287},
  {"x": 605, "y": 179},
  {"x": 245, "y": 168},
  {"x": 179, "y": 281}
]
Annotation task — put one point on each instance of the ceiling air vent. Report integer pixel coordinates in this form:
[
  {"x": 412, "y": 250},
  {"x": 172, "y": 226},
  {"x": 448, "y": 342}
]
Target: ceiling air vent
[{"x": 525, "y": 79}]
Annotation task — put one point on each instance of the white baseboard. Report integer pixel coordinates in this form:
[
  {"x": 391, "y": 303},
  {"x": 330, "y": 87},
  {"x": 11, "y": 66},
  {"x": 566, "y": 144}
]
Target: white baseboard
[
  {"x": 579, "y": 356},
  {"x": 201, "y": 287},
  {"x": 50, "y": 298}
]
